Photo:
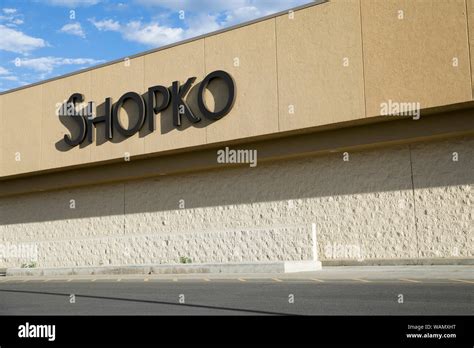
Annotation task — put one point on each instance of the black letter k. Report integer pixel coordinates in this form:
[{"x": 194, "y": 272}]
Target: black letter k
[{"x": 179, "y": 105}]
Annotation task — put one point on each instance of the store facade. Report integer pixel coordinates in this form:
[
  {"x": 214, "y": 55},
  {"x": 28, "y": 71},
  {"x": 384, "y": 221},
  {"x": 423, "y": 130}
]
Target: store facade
[{"x": 356, "y": 117}]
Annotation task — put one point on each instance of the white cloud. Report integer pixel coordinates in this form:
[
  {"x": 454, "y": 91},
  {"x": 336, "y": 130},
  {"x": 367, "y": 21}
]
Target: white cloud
[
  {"x": 15, "y": 41},
  {"x": 9, "y": 78},
  {"x": 10, "y": 17},
  {"x": 248, "y": 10},
  {"x": 17, "y": 21},
  {"x": 106, "y": 25},
  {"x": 242, "y": 14},
  {"x": 73, "y": 29},
  {"x": 4, "y": 71},
  {"x": 201, "y": 24},
  {"x": 216, "y": 6},
  {"x": 198, "y": 6},
  {"x": 72, "y": 3},
  {"x": 9, "y": 10},
  {"x": 151, "y": 34},
  {"x": 6, "y": 75},
  {"x": 47, "y": 64}
]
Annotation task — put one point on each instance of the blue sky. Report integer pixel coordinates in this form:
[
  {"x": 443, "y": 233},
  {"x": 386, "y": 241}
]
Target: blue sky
[{"x": 40, "y": 39}]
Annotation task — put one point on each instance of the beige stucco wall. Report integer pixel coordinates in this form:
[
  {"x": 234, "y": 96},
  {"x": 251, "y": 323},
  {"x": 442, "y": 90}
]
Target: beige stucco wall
[
  {"x": 364, "y": 208},
  {"x": 409, "y": 47},
  {"x": 21, "y": 131},
  {"x": 328, "y": 63},
  {"x": 470, "y": 18},
  {"x": 320, "y": 69}
]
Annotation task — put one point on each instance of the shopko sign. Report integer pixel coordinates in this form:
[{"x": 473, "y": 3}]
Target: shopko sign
[{"x": 147, "y": 109}]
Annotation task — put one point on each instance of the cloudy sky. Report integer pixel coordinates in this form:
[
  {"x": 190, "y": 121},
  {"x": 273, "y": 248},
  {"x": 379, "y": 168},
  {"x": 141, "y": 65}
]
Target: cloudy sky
[{"x": 40, "y": 39}]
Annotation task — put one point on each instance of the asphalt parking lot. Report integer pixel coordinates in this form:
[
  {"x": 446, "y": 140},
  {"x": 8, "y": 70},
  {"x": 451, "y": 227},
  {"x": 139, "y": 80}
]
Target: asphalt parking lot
[{"x": 336, "y": 291}]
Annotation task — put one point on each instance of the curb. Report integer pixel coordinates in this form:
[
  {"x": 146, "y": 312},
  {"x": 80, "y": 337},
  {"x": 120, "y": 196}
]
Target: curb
[
  {"x": 402, "y": 262},
  {"x": 251, "y": 267}
]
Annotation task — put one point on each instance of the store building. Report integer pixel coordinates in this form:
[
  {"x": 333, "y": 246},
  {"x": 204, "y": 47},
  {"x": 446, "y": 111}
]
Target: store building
[{"x": 310, "y": 94}]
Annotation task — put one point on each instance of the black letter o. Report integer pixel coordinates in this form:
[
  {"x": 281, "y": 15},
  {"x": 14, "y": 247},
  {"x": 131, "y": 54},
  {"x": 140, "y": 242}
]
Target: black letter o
[
  {"x": 229, "y": 81},
  {"x": 141, "y": 113}
]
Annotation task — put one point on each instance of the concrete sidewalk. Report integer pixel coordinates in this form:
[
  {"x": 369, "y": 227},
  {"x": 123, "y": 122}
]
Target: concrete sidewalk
[
  {"x": 327, "y": 273},
  {"x": 396, "y": 272},
  {"x": 277, "y": 267}
]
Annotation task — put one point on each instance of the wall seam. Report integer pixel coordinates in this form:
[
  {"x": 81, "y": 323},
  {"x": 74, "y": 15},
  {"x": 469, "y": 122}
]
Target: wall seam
[
  {"x": 143, "y": 89},
  {"x": 93, "y": 112},
  {"x": 414, "y": 205},
  {"x": 277, "y": 77},
  {"x": 41, "y": 130},
  {"x": 363, "y": 59},
  {"x": 124, "y": 212},
  {"x": 470, "y": 59},
  {"x": 205, "y": 74},
  {"x": 2, "y": 159}
]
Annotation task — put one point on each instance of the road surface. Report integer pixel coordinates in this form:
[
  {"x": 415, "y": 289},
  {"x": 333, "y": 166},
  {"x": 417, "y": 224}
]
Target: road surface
[{"x": 235, "y": 295}]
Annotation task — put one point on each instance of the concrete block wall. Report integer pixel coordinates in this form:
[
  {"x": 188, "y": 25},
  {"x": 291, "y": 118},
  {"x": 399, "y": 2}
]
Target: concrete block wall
[{"x": 406, "y": 201}]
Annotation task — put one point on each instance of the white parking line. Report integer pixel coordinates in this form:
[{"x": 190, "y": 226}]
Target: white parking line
[
  {"x": 277, "y": 280},
  {"x": 119, "y": 280},
  {"x": 361, "y": 280},
  {"x": 207, "y": 280},
  {"x": 146, "y": 279},
  {"x": 93, "y": 280},
  {"x": 317, "y": 280},
  {"x": 409, "y": 280},
  {"x": 242, "y": 279},
  {"x": 175, "y": 279},
  {"x": 463, "y": 281}
]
